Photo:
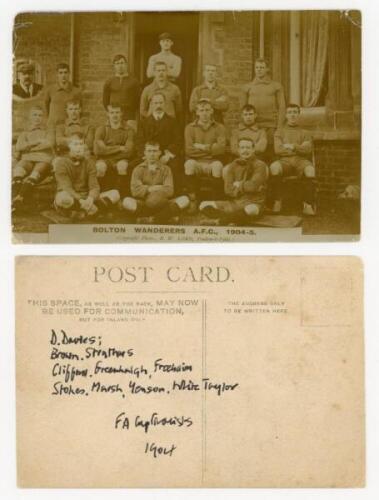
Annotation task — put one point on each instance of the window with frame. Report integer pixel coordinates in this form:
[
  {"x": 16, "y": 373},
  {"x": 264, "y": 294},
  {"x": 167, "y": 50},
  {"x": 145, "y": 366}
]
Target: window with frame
[{"x": 296, "y": 44}]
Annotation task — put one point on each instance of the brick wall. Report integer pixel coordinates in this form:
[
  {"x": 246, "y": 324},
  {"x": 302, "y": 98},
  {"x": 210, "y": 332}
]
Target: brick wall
[
  {"x": 229, "y": 43},
  {"x": 45, "y": 39},
  {"x": 338, "y": 164},
  {"x": 99, "y": 36}
]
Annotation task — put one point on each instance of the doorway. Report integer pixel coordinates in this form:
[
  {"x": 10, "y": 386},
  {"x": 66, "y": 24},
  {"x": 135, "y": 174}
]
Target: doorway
[{"x": 184, "y": 28}]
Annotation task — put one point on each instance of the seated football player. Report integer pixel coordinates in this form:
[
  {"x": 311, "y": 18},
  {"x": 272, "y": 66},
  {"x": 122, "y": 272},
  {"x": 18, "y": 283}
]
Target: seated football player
[
  {"x": 78, "y": 192},
  {"x": 74, "y": 124},
  {"x": 205, "y": 144},
  {"x": 293, "y": 146},
  {"x": 267, "y": 96},
  {"x": 245, "y": 187},
  {"x": 35, "y": 153},
  {"x": 249, "y": 128},
  {"x": 114, "y": 147},
  {"x": 152, "y": 189}
]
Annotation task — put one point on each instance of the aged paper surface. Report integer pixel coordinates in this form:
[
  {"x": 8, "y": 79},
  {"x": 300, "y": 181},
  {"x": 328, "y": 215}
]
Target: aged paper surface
[
  {"x": 84, "y": 99},
  {"x": 190, "y": 372}
]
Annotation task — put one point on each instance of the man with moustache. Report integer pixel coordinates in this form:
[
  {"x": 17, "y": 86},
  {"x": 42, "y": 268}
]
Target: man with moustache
[
  {"x": 161, "y": 128},
  {"x": 245, "y": 184},
  {"x": 25, "y": 88},
  {"x": 162, "y": 84}
]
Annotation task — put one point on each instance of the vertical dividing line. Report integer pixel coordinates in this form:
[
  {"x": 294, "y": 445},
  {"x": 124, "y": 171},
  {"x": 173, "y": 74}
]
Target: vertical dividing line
[
  {"x": 295, "y": 52},
  {"x": 262, "y": 34},
  {"x": 72, "y": 48},
  {"x": 131, "y": 34},
  {"x": 204, "y": 396}
]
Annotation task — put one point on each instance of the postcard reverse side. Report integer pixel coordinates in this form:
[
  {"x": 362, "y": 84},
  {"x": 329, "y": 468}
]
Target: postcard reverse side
[{"x": 190, "y": 372}]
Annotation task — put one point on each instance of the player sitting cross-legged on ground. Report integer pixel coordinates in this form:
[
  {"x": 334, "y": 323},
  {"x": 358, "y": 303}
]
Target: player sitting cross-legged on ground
[
  {"x": 35, "y": 149},
  {"x": 245, "y": 185},
  {"x": 293, "y": 145},
  {"x": 152, "y": 189},
  {"x": 78, "y": 191}
]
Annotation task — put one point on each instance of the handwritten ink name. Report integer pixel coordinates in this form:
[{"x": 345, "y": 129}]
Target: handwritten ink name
[
  {"x": 122, "y": 422},
  {"x": 113, "y": 370},
  {"x": 64, "y": 339},
  {"x": 206, "y": 384},
  {"x": 159, "y": 366}
]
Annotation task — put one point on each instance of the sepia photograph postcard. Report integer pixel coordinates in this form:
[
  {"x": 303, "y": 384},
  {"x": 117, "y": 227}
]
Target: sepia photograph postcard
[
  {"x": 200, "y": 371},
  {"x": 192, "y": 126}
]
